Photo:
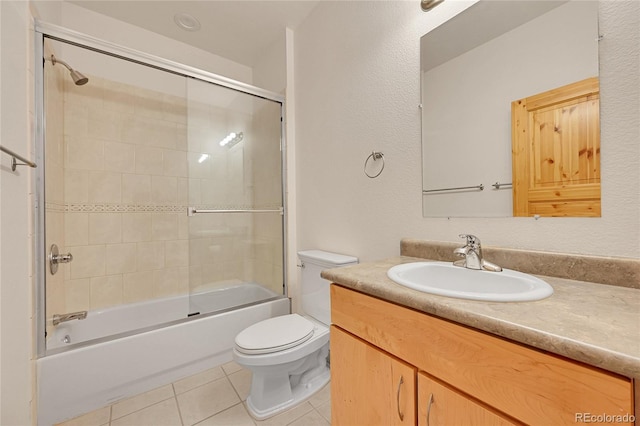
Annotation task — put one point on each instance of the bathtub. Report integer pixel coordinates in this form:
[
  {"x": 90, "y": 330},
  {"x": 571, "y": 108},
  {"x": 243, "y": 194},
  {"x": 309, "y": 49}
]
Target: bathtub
[
  {"x": 123, "y": 319},
  {"x": 85, "y": 370}
]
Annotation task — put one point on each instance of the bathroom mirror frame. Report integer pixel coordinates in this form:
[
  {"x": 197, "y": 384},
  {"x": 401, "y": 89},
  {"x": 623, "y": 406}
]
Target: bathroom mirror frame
[{"x": 449, "y": 74}]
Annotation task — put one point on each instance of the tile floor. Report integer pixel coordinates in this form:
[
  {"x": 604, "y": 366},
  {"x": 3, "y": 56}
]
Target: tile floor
[{"x": 211, "y": 398}]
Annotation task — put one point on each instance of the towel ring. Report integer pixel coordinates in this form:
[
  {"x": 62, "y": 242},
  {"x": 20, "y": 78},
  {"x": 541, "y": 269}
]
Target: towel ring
[{"x": 376, "y": 155}]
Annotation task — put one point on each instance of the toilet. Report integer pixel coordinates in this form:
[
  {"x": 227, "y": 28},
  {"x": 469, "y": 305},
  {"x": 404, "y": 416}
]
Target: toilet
[{"x": 288, "y": 355}]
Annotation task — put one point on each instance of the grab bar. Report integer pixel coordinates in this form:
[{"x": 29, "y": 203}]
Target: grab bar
[
  {"x": 14, "y": 163},
  {"x": 478, "y": 187},
  {"x": 192, "y": 210},
  {"x": 58, "y": 318}
]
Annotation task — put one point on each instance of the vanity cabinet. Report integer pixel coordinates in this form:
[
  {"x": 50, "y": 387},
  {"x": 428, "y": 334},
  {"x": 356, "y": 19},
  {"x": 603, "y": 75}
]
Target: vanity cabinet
[
  {"x": 369, "y": 386},
  {"x": 440, "y": 405},
  {"x": 460, "y": 375}
]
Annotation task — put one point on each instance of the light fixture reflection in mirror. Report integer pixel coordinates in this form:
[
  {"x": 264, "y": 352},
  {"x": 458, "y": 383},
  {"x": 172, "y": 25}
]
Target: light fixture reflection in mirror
[
  {"x": 232, "y": 139},
  {"x": 472, "y": 68}
]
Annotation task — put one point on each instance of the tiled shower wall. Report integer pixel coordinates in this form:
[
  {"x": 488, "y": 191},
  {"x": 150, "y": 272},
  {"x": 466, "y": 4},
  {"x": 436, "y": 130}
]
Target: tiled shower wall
[
  {"x": 267, "y": 191},
  {"x": 119, "y": 182},
  {"x": 219, "y": 242},
  {"x": 125, "y": 188},
  {"x": 229, "y": 247}
]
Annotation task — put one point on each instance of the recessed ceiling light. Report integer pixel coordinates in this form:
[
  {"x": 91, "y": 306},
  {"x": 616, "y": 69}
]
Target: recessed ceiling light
[{"x": 186, "y": 22}]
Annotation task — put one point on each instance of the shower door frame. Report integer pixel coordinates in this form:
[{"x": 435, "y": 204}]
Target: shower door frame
[{"x": 46, "y": 30}]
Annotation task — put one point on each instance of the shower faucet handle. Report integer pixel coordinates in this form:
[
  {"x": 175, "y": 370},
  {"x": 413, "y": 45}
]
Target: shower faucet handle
[
  {"x": 55, "y": 258},
  {"x": 64, "y": 258}
]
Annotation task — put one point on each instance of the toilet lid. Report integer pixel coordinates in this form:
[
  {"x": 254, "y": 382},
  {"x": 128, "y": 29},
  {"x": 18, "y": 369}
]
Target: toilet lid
[{"x": 274, "y": 334}]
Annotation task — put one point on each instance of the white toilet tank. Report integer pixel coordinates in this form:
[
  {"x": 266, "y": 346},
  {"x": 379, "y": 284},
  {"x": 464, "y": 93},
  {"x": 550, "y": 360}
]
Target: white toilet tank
[{"x": 314, "y": 289}]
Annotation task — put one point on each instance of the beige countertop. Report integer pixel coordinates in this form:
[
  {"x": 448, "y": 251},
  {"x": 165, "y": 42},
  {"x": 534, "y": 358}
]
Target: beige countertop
[{"x": 593, "y": 323}]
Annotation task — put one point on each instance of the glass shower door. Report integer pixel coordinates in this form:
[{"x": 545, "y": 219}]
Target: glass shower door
[
  {"x": 235, "y": 178},
  {"x": 115, "y": 178},
  {"x": 129, "y": 156}
]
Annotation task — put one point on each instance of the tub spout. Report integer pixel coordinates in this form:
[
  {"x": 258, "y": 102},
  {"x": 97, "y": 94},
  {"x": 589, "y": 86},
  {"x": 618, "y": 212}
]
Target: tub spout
[{"x": 58, "y": 318}]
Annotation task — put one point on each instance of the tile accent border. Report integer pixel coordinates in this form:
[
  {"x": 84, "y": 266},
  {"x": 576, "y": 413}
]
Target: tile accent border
[
  {"x": 143, "y": 208},
  {"x": 618, "y": 271},
  {"x": 123, "y": 208}
]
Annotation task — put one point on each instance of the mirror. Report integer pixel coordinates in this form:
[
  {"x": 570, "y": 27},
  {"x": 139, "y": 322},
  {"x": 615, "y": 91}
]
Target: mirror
[{"x": 472, "y": 68}]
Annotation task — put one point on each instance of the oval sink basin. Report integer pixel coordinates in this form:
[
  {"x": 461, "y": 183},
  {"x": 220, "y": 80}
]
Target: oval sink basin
[{"x": 444, "y": 279}]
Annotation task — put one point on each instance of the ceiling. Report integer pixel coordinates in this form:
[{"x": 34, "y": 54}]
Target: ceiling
[{"x": 239, "y": 30}]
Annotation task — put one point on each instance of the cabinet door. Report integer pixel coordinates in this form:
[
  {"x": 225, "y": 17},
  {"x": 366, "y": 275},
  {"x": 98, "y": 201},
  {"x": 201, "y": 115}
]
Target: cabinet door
[
  {"x": 368, "y": 386},
  {"x": 440, "y": 405}
]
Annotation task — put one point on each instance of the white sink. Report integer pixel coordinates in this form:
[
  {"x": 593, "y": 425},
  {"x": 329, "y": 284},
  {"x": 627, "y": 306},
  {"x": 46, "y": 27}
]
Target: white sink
[{"x": 444, "y": 279}]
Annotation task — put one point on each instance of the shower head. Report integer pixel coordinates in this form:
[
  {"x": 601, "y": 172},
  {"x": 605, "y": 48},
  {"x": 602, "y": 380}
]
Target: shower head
[{"x": 78, "y": 78}]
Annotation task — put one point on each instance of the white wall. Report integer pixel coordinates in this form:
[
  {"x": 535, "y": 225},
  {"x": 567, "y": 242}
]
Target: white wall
[
  {"x": 269, "y": 72},
  {"x": 357, "y": 90},
  {"x": 16, "y": 73}
]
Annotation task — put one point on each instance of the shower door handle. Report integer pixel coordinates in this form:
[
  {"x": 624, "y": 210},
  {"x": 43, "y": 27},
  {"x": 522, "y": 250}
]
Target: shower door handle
[{"x": 55, "y": 258}]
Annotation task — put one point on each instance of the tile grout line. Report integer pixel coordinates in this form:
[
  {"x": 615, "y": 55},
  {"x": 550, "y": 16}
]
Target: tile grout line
[
  {"x": 196, "y": 387},
  {"x": 234, "y": 388},
  {"x": 321, "y": 416},
  {"x": 242, "y": 402},
  {"x": 142, "y": 408},
  {"x": 226, "y": 409},
  {"x": 175, "y": 397}
]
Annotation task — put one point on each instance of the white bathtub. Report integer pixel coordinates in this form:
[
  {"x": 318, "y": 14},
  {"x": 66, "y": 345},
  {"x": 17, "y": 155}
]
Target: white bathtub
[
  {"x": 123, "y": 319},
  {"x": 82, "y": 376}
]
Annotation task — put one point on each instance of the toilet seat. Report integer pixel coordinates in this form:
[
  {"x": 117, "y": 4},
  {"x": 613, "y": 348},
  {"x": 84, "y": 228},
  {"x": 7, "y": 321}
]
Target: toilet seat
[{"x": 274, "y": 335}]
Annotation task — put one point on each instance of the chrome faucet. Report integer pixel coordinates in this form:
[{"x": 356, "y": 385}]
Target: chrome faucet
[
  {"x": 472, "y": 255},
  {"x": 58, "y": 318}
]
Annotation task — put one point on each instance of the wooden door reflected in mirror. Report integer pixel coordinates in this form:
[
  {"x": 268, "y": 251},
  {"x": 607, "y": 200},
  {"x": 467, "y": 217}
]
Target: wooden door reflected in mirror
[{"x": 556, "y": 152}]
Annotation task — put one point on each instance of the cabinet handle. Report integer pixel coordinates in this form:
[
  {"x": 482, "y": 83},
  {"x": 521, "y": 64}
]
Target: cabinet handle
[
  {"x": 398, "y": 399},
  {"x": 429, "y": 408}
]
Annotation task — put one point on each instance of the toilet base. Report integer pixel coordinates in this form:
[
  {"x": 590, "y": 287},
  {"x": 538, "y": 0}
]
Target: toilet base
[
  {"x": 300, "y": 393},
  {"x": 280, "y": 387}
]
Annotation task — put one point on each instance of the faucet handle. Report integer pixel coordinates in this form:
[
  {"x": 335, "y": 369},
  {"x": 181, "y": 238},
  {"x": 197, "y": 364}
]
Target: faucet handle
[{"x": 472, "y": 240}]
